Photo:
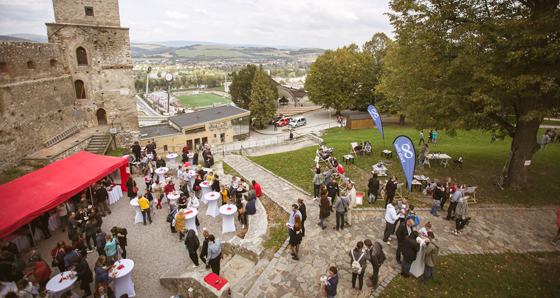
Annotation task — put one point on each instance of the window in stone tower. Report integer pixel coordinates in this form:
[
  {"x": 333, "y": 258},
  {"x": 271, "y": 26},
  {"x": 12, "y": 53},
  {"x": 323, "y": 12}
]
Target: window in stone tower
[
  {"x": 89, "y": 11},
  {"x": 80, "y": 89},
  {"x": 81, "y": 55}
]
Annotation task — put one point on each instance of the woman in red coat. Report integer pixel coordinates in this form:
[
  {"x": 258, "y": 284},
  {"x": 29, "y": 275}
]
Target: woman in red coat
[
  {"x": 170, "y": 187},
  {"x": 257, "y": 188}
]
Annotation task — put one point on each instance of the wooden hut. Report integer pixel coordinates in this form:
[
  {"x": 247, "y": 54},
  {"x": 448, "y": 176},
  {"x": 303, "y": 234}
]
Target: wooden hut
[{"x": 359, "y": 121}]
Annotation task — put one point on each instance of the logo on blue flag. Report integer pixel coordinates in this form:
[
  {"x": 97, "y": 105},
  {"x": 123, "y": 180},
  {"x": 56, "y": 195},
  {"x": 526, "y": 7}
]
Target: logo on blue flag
[
  {"x": 407, "y": 156},
  {"x": 376, "y": 118}
]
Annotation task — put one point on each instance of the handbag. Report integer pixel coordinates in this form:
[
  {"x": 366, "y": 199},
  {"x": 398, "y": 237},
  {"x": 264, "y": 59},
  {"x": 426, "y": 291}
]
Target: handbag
[
  {"x": 119, "y": 249},
  {"x": 169, "y": 218},
  {"x": 134, "y": 189},
  {"x": 324, "y": 292}
]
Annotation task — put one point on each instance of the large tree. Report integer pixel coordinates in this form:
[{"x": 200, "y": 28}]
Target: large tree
[
  {"x": 241, "y": 86},
  {"x": 331, "y": 78},
  {"x": 471, "y": 64},
  {"x": 263, "y": 95}
]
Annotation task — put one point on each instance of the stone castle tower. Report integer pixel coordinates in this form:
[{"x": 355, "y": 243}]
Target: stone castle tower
[{"x": 82, "y": 77}]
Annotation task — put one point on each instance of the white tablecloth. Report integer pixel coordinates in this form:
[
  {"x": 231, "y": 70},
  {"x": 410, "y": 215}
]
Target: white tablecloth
[
  {"x": 173, "y": 198},
  {"x": 444, "y": 158},
  {"x": 11, "y": 287},
  {"x": 54, "y": 222},
  {"x": 192, "y": 173},
  {"x": 60, "y": 287},
  {"x": 228, "y": 221},
  {"x": 190, "y": 221},
  {"x": 123, "y": 280},
  {"x": 171, "y": 157},
  {"x": 212, "y": 199},
  {"x": 138, "y": 216},
  {"x": 160, "y": 172},
  {"x": 205, "y": 187},
  {"x": 191, "y": 156},
  {"x": 115, "y": 195},
  {"x": 417, "y": 267},
  {"x": 20, "y": 241}
]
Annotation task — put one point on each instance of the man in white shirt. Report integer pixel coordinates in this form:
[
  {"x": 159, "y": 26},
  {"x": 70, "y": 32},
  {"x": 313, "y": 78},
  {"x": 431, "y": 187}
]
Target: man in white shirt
[
  {"x": 421, "y": 138},
  {"x": 390, "y": 217},
  {"x": 351, "y": 194}
]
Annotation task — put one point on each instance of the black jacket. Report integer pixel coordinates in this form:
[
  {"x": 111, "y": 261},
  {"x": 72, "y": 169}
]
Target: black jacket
[
  {"x": 373, "y": 186},
  {"x": 391, "y": 188},
  {"x": 136, "y": 149},
  {"x": 402, "y": 232},
  {"x": 377, "y": 255},
  {"x": 191, "y": 241},
  {"x": 216, "y": 185},
  {"x": 160, "y": 163},
  {"x": 101, "y": 194},
  {"x": 204, "y": 250},
  {"x": 410, "y": 249},
  {"x": 83, "y": 272},
  {"x": 303, "y": 210},
  {"x": 333, "y": 191},
  {"x": 438, "y": 194}
]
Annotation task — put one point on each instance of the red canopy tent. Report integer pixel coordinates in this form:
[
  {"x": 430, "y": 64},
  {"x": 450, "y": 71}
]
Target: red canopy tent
[{"x": 26, "y": 198}]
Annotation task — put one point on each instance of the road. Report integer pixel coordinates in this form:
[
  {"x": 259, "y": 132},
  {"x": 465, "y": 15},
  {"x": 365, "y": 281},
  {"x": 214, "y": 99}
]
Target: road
[{"x": 143, "y": 106}]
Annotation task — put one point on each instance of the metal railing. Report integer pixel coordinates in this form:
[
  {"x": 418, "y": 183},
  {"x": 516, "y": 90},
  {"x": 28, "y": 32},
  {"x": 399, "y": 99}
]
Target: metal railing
[{"x": 61, "y": 136}]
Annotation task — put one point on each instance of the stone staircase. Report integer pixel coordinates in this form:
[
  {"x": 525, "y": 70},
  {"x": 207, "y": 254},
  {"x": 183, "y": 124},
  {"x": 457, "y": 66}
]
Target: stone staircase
[{"x": 98, "y": 144}]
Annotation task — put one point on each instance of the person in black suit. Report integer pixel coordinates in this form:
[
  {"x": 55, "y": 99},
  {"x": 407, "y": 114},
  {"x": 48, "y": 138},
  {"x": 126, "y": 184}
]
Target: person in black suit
[
  {"x": 136, "y": 149},
  {"x": 84, "y": 274},
  {"x": 410, "y": 250},
  {"x": 160, "y": 163},
  {"x": 101, "y": 196},
  {"x": 405, "y": 229},
  {"x": 390, "y": 187},
  {"x": 303, "y": 210}
]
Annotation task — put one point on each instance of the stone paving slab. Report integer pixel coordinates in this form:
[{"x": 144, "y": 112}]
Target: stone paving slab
[{"x": 488, "y": 231}]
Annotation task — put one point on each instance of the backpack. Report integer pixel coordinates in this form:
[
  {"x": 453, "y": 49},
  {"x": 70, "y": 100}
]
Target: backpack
[
  {"x": 356, "y": 267},
  {"x": 416, "y": 220}
]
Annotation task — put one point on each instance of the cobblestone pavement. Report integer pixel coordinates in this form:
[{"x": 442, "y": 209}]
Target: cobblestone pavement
[
  {"x": 320, "y": 249},
  {"x": 153, "y": 248}
]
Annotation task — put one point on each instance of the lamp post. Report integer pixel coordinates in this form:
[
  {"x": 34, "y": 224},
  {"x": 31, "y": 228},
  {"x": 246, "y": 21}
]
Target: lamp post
[
  {"x": 169, "y": 79},
  {"x": 148, "y": 70}
]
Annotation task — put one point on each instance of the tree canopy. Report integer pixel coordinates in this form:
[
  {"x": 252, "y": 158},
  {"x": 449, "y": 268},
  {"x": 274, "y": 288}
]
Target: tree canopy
[
  {"x": 262, "y": 98},
  {"x": 241, "y": 86},
  {"x": 469, "y": 64}
]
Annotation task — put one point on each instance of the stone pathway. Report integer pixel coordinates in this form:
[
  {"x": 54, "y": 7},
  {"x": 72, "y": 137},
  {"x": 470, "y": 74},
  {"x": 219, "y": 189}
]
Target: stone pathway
[{"x": 283, "y": 277}]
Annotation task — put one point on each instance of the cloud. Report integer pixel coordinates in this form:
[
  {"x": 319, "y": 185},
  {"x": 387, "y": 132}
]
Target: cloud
[{"x": 303, "y": 23}]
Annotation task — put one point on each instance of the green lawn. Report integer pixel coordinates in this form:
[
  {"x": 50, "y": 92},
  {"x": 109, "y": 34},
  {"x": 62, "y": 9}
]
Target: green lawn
[
  {"x": 483, "y": 162},
  {"x": 219, "y": 88},
  {"x": 550, "y": 122},
  {"x": 501, "y": 275},
  {"x": 199, "y": 100}
]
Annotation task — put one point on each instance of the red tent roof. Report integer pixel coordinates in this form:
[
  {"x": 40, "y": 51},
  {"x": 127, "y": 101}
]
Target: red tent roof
[{"x": 26, "y": 198}]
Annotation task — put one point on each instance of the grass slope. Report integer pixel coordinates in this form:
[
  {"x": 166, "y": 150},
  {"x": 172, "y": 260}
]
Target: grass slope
[
  {"x": 203, "y": 99},
  {"x": 501, "y": 275},
  {"x": 483, "y": 163}
]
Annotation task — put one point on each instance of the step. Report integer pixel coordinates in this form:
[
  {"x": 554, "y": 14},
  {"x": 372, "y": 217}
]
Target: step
[{"x": 236, "y": 269}]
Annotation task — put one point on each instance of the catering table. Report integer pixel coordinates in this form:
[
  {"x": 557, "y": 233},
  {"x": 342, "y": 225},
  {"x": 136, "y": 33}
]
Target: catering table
[
  {"x": 138, "y": 218},
  {"x": 59, "y": 287},
  {"x": 114, "y": 195},
  {"x": 123, "y": 281},
  {"x": 54, "y": 222},
  {"x": 379, "y": 167},
  {"x": 150, "y": 156},
  {"x": 347, "y": 158},
  {"x": 212, "y": 198},
  {"x": 12, "y": 287},
  {"x": 160, "y": 172},
  {"x": 387, "y": 153},
  {"x": 192, "y": 173},
  {"x": 417, "y": 267},
  {"x": 228, "y": 221},
  {"x": 191, "y": 156},
  {"x": 205, "y": 187},
  {"x": 190, "y": 221},
  {"x": 173, "y": 197},
  {"x": 171, "y": 157},
  {"x": 444, "y": 159}
]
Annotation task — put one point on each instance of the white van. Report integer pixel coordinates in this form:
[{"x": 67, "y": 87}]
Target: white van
[{"x": 298, "y": 121}]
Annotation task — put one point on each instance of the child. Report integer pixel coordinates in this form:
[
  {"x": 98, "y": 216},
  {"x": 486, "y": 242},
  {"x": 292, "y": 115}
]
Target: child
[{"x": 424, "y": 231}]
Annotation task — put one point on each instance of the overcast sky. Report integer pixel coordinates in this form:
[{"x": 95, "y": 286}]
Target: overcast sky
[{"x": 301, "y": 23}]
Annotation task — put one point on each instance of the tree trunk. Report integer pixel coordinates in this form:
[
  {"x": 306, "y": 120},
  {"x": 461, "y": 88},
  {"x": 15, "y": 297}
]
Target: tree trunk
[
  {"x": 401, "y": 119},
  {"x": 524, "y": 146}
]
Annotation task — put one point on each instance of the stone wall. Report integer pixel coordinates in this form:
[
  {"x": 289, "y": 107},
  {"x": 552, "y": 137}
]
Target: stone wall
[
  {"x": 42, "y": 162},
  {"x": 105, "y": 12},
  {"x": 35, "y": 103},
  {"x": 192, "y": 279}
]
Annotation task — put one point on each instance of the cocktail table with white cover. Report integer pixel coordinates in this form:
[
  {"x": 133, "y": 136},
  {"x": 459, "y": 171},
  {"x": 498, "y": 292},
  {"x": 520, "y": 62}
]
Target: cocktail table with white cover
[
  {"x": 228, "y": 221},
  {"x": 205, "y": 188},
  {"x": 123, "y": 280},
  {"x": 150, "y": 156},
  {"x": 191, "y": 157},
  {"x": 160, "y": 172},
  {"x": 190, "y": 221},
  {"x": 444, "y": 159},
  {"x": 417, "y": 267},
  {"x": 114, "y": 195},
  {"x": 173, "y": 198},
  {"x": 192, "y": 173},
  {"x": 138, "y": 216},
  {"x": 171, "y": 157},
  {"x": 60, "y": 287},
  {"x": 212, "y": 198},
  {"x": 54, "y": 222}
]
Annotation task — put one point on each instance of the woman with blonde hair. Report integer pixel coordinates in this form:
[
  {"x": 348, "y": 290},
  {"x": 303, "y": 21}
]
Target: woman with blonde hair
[{"x": 180, "y": 223}]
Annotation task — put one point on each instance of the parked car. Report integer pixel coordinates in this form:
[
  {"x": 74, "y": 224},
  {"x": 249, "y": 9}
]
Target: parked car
[
  {"x": 284, "y": 121},
  {"x": 298, "y": 121}
]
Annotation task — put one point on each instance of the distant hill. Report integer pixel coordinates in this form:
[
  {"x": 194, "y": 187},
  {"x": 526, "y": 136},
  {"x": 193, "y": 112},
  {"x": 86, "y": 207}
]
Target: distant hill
[
  {"x": 186, "y": 43},
  {"x": 32, "y": 37},
  {"x": 11, "y": 38}
]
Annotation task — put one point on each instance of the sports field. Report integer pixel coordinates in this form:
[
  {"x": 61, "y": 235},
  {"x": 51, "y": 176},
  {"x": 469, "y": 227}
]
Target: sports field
[{"x": 199, "y": 100}]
